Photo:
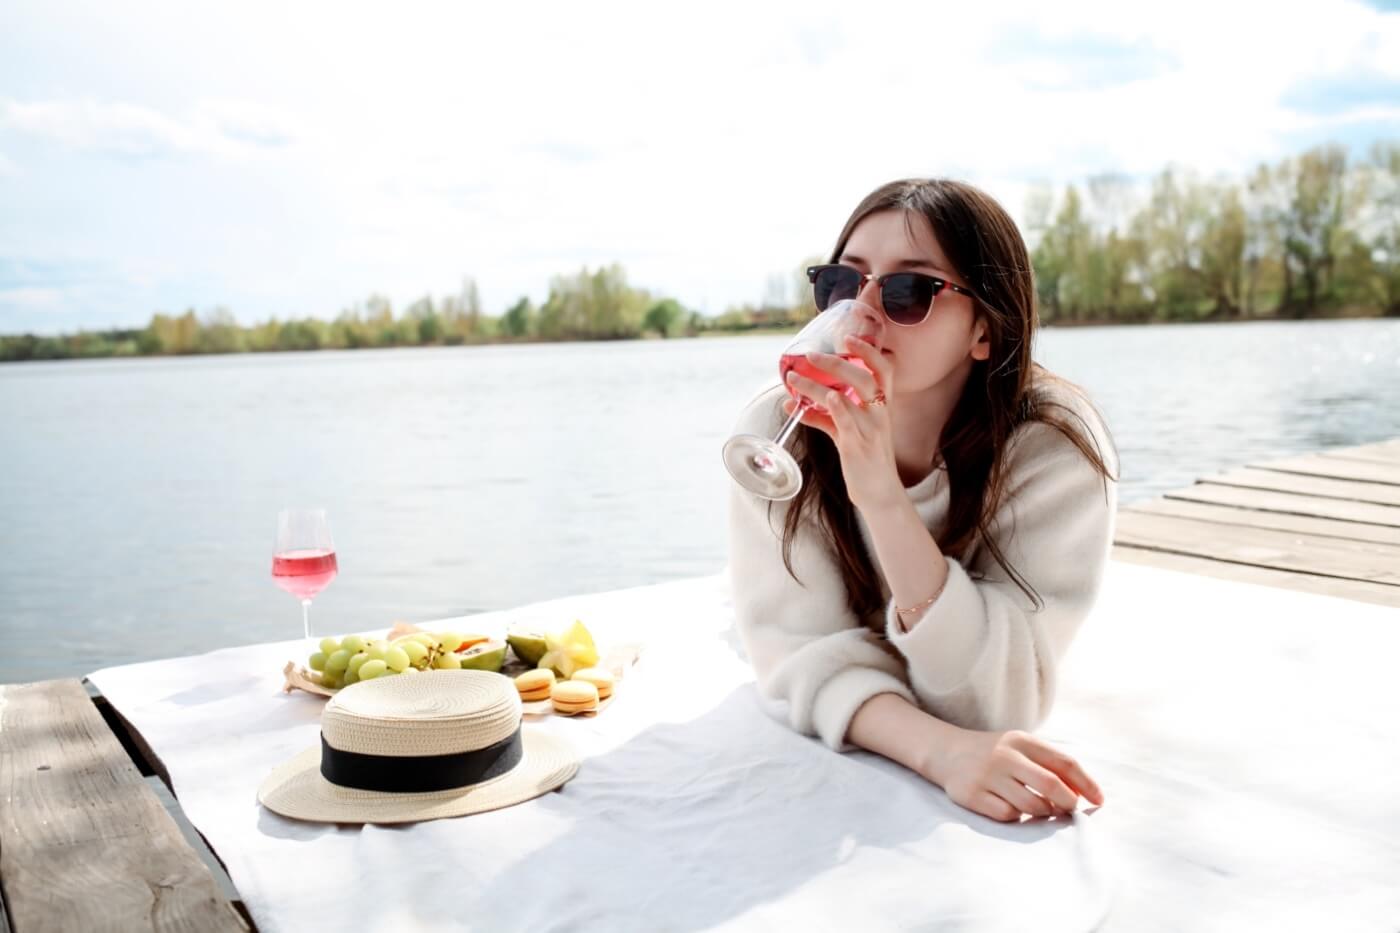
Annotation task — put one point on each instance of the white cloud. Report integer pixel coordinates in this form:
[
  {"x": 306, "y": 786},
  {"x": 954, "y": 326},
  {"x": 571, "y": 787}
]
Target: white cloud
[
  {"x": 214, "y": 127},
  {"x": 31, "y": 298}
]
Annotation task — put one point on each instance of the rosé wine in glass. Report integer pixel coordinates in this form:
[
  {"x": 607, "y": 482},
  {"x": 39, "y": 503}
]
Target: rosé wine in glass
[
  {"x": 305, "y": 572},
  {"x": 303, "y": 557},
  {"x": 798, "y": 362}
]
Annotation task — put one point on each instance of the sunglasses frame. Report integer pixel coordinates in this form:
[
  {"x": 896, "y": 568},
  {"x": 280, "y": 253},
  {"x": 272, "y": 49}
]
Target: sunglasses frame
[{"x": 938, "y": 285}]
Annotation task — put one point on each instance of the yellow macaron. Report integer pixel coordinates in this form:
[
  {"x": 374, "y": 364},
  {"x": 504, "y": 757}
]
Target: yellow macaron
[
  {"x": 574, "y": 696},
  {"x": 598, "y": 677},
  {"x": 535, "y": 685}
]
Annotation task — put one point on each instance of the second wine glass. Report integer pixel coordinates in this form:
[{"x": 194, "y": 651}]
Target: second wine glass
[
  {"x": 303, "y": 557},
  {"x": 762, "y": 465}
]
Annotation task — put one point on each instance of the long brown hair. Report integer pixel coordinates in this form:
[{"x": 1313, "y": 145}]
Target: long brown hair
[{"x": 1002, "y": 392}]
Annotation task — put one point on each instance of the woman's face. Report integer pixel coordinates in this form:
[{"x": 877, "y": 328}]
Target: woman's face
[{"x": 941, "y": 349}]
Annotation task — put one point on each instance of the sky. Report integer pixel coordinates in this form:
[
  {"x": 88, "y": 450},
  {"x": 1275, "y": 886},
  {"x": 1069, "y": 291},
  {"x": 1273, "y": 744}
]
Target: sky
[{"x": 290, "y": 159}]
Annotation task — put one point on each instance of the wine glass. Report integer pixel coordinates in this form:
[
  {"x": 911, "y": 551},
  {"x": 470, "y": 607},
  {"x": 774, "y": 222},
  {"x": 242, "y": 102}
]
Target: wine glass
[
  {"x": 763, "y": 466},
  {"x": 303, "y": 557}
]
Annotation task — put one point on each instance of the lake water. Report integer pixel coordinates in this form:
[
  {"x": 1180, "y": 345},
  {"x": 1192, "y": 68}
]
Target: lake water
[{"x": 139, "y": 496}]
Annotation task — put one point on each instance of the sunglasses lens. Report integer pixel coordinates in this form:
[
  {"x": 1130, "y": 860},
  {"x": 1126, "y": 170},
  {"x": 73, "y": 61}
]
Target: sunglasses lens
[
  {"x": 835, "y": 283},
  {"x": 907, "y": 297}
]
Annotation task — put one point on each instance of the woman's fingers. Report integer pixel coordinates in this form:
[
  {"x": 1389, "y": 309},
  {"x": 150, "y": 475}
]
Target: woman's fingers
[
  {"x": 1064, "y": 767},
  {"x": 810, "y": 389},
  {"x": 814, "y": 419},
  {"x": 876, "y": 361},
  {"x": 1020, "y": 797},
  {"x": 1046, "y": 784},
  {"x": 990, "y": 805},
  {"x": 847, "y": 373}
]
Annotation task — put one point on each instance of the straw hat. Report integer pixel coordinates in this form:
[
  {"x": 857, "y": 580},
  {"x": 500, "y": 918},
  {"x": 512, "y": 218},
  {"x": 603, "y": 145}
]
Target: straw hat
[{"x": 421, "y": 747}]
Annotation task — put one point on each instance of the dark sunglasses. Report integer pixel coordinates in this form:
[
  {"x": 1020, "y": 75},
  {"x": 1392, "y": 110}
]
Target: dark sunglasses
[{"x": 907, "y": 297}]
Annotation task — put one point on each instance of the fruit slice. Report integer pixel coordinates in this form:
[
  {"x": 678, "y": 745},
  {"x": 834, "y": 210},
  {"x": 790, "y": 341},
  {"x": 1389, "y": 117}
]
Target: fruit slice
[
  {"x": 490, "y": 655},
  {"x": 528, "y": 646},
  {"x": 559, "y": 661},
  {"x": 578, "y": 641}
]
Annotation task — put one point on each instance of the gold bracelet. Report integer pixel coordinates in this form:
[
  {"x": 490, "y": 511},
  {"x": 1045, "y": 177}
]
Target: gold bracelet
[{"x": 926, "y": 603}]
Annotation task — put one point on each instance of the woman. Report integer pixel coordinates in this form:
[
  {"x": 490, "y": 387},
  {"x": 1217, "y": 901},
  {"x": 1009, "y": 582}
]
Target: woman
[{"x": 953, "y": 526}]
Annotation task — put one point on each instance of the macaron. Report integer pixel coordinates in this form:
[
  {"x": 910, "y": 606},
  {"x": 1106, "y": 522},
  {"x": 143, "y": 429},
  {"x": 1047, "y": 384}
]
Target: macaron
[
  {"x": 574, "y": 696},
  {"x": 535, "y": 685},
  {"x": 598, "y": 677}
]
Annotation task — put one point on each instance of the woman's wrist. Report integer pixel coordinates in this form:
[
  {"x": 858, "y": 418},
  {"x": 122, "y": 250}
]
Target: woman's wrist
[
  {"x": 889, "y": 725},
  {"x": 939, "y": 749},
  {"x": 886, "y": 503}
]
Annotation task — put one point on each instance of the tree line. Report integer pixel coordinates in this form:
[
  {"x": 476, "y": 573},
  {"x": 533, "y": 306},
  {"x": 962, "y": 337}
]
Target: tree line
[{"x": 1313, "y": 235}]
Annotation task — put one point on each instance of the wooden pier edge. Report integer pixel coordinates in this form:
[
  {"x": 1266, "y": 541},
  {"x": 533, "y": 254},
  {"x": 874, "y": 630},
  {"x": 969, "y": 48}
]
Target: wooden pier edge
[
  {"x": 84, "y": 842},
  {"x": 1325, "y": 523}
]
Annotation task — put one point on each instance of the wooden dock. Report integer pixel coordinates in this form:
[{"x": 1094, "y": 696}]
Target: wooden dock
[
  {"x": 90, "y": 837},
  {"x": 1323, "y": 523}
]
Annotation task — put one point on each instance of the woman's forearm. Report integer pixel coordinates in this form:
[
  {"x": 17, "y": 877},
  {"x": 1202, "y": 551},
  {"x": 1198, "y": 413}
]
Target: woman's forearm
[
  {"x": 889, "y": 725},
  {"x": 912, "y": 563}
]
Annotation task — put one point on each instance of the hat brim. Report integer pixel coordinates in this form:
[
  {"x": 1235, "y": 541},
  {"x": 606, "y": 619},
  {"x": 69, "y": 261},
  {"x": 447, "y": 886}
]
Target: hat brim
[{"x": 296, "y": 789}]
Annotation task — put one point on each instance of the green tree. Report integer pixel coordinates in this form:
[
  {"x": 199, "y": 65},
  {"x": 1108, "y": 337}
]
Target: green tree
[
  {"x": 663, "y": 317},
  {"x": 519, "y": 319}
]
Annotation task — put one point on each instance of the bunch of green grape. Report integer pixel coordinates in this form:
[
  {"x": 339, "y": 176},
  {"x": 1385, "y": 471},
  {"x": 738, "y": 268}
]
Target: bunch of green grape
[{"x": 342, "y": 662}]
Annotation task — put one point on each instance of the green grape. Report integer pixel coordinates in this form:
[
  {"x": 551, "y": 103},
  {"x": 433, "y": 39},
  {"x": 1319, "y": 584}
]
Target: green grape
[
  {"x": 417, "y": 654},
  {"x": 425, "y": 639},
  {"x": 372, "y": 669},
  {"x": 329, "y": 646},
  {"x": 396, "y": 658},
  {"x": 355, "y": 662},
  {"x": 350, "y": 678},
  {"x": 338, "y": 662},
  {"x": 376, "y": 650},
  {"x": 410, "y": 670},
  {"x": 450, "y": 641},
  {"x": 330, "y": 681},
  {"x": 317, "y": 662},
  {"x": 353, "y": 644},
  {"x": 447, "y": 661}
]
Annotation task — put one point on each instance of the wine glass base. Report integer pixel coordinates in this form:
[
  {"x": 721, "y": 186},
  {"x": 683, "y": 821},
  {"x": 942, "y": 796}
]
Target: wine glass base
[{"x": 762, "y": 467}]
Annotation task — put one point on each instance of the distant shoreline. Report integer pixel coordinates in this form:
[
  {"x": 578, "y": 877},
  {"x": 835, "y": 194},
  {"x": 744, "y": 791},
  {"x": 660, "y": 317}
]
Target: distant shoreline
[{"x": 705, "y": 334}]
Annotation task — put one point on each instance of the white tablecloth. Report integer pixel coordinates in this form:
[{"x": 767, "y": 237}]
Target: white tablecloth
[{"x": 1244, "y": 737}]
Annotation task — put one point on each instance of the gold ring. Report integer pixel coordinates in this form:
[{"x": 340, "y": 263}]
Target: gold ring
[{"x": 878, "y": 400}]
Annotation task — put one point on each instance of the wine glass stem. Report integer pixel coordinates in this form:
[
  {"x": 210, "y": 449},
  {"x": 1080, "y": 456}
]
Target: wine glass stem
[
  {"x": 791, "y": 425},
  {"x": 306, "y": 617}
]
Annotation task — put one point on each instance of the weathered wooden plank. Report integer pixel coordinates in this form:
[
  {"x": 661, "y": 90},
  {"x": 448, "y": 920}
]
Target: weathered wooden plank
[
  {"x": 1278, "y": 521},
  {"x": 1290, "y": 503},
  {"x": 1360, "y": 590},
  {"x": 133, "y": 742},
  {"x": 1260, "y": 547},
  {"x": 1348, "y": 490},
  {"x": 1336, "y": 468},
  {"x": 84, "y": 844}
]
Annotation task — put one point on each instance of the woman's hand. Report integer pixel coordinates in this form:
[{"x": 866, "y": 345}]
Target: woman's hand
[
  {"x": 1000, "y": 774},
  {"x": 863, "y": 433}
]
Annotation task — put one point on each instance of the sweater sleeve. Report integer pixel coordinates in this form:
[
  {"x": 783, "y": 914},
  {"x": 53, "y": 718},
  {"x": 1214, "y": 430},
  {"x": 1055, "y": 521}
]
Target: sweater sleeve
[
  {"x": 983, "y": 656},
  {"x": 814, "y": 662}
]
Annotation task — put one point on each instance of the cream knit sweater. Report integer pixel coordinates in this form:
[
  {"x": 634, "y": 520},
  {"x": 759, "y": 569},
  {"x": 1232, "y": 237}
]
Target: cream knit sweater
[{"x": 981, "y": 657}]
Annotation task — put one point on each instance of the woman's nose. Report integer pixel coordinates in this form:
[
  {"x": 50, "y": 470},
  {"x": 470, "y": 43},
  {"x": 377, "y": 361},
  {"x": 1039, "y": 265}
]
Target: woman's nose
[
  {"x": 869, "y": 291},
  {"x": 871, "y": 321}
]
